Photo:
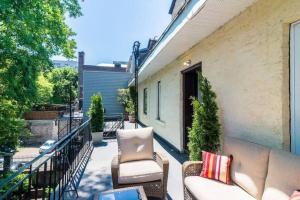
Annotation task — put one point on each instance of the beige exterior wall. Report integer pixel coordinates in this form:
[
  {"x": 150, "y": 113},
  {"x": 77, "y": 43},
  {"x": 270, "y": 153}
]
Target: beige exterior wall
[{"x": 247, "y": 63}]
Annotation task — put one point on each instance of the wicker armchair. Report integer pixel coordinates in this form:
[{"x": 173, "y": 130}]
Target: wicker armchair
[
  {"x": 138, "y": 165},
  {"x": 154, "y": 188},
  {"x": 190, "y": 168}
]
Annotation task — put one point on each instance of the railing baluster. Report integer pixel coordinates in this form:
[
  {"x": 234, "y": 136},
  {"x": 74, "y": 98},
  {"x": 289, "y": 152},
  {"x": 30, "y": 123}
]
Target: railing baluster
[
  {"x": 50, "y": 178},
  {"x": 29, "y": 182},
  {"x": 64, "y": 167},
  {"x": 20, "y": 191},
  {"x": 36, "y": 183},
  {"x": 59, "y": 173},
  {"x": 44, "y": 180},
  {"x": 55, "y": 178}
]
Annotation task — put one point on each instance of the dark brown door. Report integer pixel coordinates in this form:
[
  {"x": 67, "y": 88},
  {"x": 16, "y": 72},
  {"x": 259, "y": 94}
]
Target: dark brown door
[{"x": 190, "y": 89}]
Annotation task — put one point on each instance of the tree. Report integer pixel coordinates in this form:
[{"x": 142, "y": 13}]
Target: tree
[
  {"x": 205, "y": 132},
  {"x": 31, "y": 32},
  {"x": 96, "y": 113},
  {"x": 11, "y": 125},
  {"x": 44, "y": 90},
  {"x": 62, "y": 79}
]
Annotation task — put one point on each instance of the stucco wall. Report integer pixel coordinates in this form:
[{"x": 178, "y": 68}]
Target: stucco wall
[
  {"x": 41, "y": 131},
  {"x": 247, "y": 63}
]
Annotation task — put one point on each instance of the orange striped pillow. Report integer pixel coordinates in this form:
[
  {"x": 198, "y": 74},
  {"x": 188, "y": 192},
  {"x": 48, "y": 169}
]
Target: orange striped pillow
[{"x": 216, "y": 167}]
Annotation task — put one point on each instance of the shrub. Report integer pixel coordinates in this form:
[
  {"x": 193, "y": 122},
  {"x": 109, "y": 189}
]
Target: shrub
[
  {"x": 130, "y": 108},
  {"x": 18, "y": 179},
  {"x": 132, "y": 94},
  {"x": 123, "y": 97},
  {"x": 96, "y": 113},
  {"x": 205, "y": 132}
]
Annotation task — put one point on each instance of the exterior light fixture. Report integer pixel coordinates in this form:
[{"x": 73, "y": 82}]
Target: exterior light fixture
[{"x": 187, "y": 63}]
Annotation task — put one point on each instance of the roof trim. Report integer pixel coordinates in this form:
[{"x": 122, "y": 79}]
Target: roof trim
[{"x": 182, "y": 34}]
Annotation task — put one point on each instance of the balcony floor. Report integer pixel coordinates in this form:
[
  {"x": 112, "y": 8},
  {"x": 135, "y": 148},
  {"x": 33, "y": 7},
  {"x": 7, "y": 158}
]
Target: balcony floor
[{"x": 96, "y": 177}]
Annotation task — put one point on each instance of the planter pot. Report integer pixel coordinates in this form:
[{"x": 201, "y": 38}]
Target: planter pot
[
  {"x": 126, "y": 116},
  {"x": 131, "y": 118},
  {"x": 97, "y": 137}
]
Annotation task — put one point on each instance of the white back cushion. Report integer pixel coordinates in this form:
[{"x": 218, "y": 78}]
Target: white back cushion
[{"x": 135, "y": 144}]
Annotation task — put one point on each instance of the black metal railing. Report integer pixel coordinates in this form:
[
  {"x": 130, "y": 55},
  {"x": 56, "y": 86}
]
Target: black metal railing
[
  {"x": 111, "y": 124},
  {"x": 51, "y": 174},
  {"x": 64, "y": 125}
]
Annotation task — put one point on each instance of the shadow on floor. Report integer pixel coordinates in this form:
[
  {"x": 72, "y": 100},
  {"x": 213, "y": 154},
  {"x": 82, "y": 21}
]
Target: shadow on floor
[
  {"x": 101, "y": 144},
  {"x": 180, "y": 157}
]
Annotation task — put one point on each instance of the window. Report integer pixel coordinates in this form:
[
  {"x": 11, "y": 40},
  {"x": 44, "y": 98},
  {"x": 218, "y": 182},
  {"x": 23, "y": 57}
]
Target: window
[
  {"x": 158, "y": 100},
  {"x": 145, "y": 101}
]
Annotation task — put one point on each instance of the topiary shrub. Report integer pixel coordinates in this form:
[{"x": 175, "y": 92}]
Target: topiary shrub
[
  {"x": 204, "y": 135},
  {"x": 96, "y": 113}
]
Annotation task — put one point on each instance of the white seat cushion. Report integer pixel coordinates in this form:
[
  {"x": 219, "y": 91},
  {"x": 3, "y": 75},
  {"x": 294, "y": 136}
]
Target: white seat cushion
[
  {"x": 135, "y": 144},
  {"x": 139, "y": 172},
  {"x": 207, "y": 189}
]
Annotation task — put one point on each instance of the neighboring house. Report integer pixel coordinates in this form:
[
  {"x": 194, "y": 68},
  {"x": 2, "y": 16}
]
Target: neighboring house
[
  {"x": 65, "y": 63},
  {"x": 250, "y": 52},
  {"x": 103, "y": 78}
]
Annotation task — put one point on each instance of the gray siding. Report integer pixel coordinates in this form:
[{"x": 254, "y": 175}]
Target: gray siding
[{"x": 107, "y": 83}]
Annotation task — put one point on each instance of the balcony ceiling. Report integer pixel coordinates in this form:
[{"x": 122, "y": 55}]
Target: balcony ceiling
[{"x": 197, "y": 21}]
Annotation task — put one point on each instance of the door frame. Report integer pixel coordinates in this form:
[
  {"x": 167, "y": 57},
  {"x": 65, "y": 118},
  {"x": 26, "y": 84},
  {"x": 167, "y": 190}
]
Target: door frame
[
  {"x": 183, "y": 129},
  {"x": 292, "y": 86}
]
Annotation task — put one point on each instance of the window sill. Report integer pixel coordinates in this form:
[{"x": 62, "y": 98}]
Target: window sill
[{"x": 161, "y": 122}]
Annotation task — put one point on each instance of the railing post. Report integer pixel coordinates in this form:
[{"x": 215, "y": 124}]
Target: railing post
[{"x": 7, "y": 162}]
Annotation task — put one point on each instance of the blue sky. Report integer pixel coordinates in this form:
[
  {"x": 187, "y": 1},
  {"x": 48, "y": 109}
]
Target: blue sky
[{"x": 108, "y": 28}]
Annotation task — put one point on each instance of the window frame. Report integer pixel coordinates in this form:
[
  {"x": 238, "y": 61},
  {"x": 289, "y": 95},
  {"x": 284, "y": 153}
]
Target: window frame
[
  {"x": 145, "y": 101},
  {"x": 158, "y": 116}
]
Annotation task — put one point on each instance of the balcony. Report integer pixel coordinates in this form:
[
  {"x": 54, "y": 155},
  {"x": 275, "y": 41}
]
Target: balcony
[{"x": 76, "y": 169}]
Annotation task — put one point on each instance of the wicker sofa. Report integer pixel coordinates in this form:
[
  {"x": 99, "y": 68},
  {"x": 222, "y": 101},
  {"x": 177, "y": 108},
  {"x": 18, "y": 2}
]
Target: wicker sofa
[
  {"x": 257, "y": 172},
  {"x": 138, "y": 165}
]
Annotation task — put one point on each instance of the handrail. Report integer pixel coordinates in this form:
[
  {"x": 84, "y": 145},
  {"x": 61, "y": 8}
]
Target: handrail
[{"x": 53, "y": 151}]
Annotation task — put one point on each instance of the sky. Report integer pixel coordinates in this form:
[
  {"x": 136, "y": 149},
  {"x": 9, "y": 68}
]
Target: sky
[{"x": 108, "y": 28}]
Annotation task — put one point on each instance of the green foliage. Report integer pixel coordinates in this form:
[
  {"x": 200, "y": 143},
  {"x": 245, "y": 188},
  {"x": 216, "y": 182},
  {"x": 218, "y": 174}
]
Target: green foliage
[
  {"x": 123, "y": 97},
  {"x": 132, "y": 94},
  {"x": 62, "y": 79},
  {"x": 31, "y": 32},
  {"x": 205, "y": 132},
  {"x": 130, "y": 108},
  {"x": 15, "y": 181},
  {"x": 44, "y": 90},
  {"x": 11, "y": 125},
  {"x": 96, "y": 113}
]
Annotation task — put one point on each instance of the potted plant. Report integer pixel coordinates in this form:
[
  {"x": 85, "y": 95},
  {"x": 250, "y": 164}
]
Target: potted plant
[
  {"x": 124, "y": 98},
  {"x": 130, "y": 110},
  {"x": 204, "y": 135},
  {"x": 96, "y": 113}
]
